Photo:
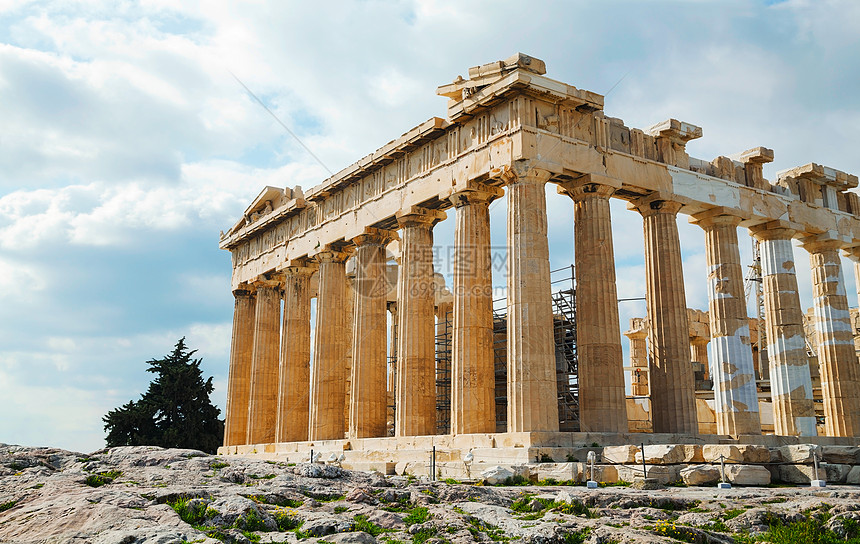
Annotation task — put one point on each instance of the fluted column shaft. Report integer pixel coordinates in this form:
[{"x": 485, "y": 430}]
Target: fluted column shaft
[
  {"x": 294, "y": 389},
  {"x": 263, "y": 404},
  {"x": 416, "y": 332},
  {"x": 638, "y": 358},
  {"x": 790, "y": 381},
  {"x": 472, "y": 373},
  {"x": 673, "y": 401},
  {"x": 239, "y": 381},
  {"x": 837, "y": 359},
  {"x": 602, "y": 400},
  {"x": 731, "y": 367},
  {"x": 532, "y": 387},
  {"x": 331, "y": 342},
  {"x": 368, "y": 399}
]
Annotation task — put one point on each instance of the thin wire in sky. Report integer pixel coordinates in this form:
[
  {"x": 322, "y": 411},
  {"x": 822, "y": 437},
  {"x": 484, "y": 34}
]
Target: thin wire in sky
[{"x": 276, "y": 118}]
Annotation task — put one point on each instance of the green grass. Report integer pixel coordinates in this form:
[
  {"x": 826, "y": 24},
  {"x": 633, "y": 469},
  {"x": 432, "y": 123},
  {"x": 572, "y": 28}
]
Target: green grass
[
  {"x": 732, "y": 514},
  {"x": 775, "y": 500},
  {"x": 419, "y": 514},
  {"x": 260, "y": 499},
  {"x": 257, "y": 477},
  {"x": 340, "y": 509},
  {"x": 251, "y": 521},
  {"x": 477, "y": 526},
  {"x": 217, "y": 465},
  {"x": 192, "y": 515},
  {"x": 361, "y": 523},
  {"x": 423, "y": 535},
  {"x": 287, "y": 519},
  {"x": 577, "y": 537},
  {"x": 7, "y": 505}
]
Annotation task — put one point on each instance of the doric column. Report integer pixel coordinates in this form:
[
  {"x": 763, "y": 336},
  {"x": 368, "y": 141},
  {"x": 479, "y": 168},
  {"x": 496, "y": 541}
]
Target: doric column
[
  {"x": 790, "y": 381},
  {"x": 732, "y": 371},
  {"x": 602, "y": 401},
  {"x": 348, "y": 318},
  {"x": 532, "y": 387},
  {"x": 472, "y": 373},
  {"x": 416, "y": 331},
  {"x": 293, "y": 392},
  {"x": 331, "y": 342},
  {"x": 673, "y": 401},
  {"x": 263, "y": 405},
  {"x": 239, "y": 381},
  {"x": 368, "y": 399},
  {"x": 837, "y": 359},
  {"x": 638, "y": 335}
]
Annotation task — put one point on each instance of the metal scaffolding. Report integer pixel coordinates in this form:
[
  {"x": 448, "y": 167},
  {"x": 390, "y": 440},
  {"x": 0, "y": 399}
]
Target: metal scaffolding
[{"x": 564, "y": 321}]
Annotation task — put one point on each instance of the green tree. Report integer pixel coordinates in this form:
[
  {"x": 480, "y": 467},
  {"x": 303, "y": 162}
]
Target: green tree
[{"x": 175, "y": 412}]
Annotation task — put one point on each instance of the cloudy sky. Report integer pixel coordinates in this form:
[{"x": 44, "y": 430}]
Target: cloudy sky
[{"x": 126, "y": 145}]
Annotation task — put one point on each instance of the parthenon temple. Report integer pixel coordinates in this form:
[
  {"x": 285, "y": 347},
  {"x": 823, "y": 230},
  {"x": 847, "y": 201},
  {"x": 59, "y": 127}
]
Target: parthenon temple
[{"x": 396, "y": 362}]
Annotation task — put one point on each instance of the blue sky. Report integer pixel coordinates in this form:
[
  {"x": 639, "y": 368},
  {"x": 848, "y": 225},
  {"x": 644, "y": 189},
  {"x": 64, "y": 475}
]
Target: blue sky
[{"x": 126, "y": 146}]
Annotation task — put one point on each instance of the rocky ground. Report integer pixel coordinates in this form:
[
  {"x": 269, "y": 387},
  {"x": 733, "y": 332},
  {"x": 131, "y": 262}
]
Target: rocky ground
[{"x": 152, "y": 495}]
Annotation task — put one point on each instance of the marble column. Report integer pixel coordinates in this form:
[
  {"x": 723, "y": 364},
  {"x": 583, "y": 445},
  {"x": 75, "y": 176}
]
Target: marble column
[
  {"x": 263, "y": 402},
  {"x": 790, "y": 381},
  {"x": 673, "y": 400},
  {"x": 416, "y": 331},
  {"x": 731, "y": 369},
  {"x": 368, "y": 399},
  {"x": 331, "y": 342},
  {"x": 239, "y": 381},
  {"x": 348, "y": 318},
  {"x": 293, "y": 392},
  {"x": 472, "y": 373},
  {"x": 837, "y": 359},
  {"x": 532, "y": 387},
  {"x": 602, "y": 400},
  {"x": 638, "y": 334}
]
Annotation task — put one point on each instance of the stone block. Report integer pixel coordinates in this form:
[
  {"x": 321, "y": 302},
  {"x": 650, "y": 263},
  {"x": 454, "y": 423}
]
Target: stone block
[
  {"x": 620, "y": 454},
  {"x": 662, "y": 454},
  {"x": 700, "y": 474},
  {"x": 853, "y": 476},
  {"x": 740, "y": 453},
  {"x": 799, "y": 453},
  {"x": 693, "y": 453},
  {"x": 803, "y": 474},
  {"x": 496, "y": 475},
  {"x": 560, "y": 472},
  {"x": 747, "y": 474},
  {"x": 661, "y": 473},
  {"x": 846, "y": 455}
]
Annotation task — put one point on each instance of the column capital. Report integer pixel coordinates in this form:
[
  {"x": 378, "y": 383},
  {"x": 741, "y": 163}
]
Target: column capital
[
  {"x": 330, "y": 253},
  {"x": 656, "y": 203},
  {"x": 774, "y": 230},
  {"x": 244, "y": 290},
  {"x": 716, "y": 217},
  {"x": 589, "y": 185},
  {"x": 268, "y": 280},
  {"x": 475, "y": 193},
  {"x": 822, "y": 242},
  {"x": 299, "y": 271},
  {"x": 416, "y": 216},
  {"x": 852, "y": 253},
  {"x": 523, "y": 172},
  {"x": 373, "y": 236}
]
